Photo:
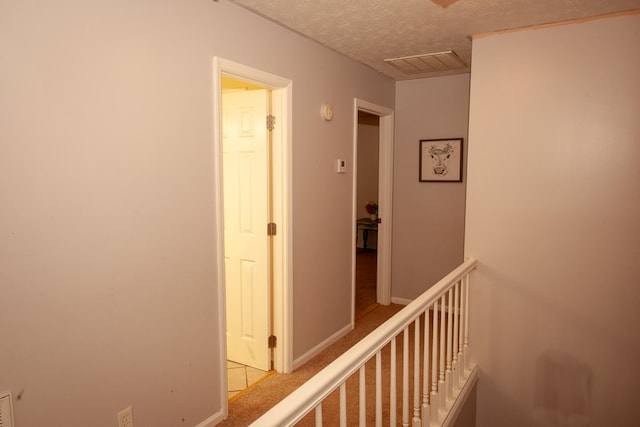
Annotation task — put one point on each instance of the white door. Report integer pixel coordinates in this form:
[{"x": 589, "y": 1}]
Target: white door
[{"x": 246, "y": 214}]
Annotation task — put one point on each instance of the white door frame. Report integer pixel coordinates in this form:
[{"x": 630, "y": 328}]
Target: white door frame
[
  {"x": 385, "y": 199},
  {"x": 282, "y": 211}
]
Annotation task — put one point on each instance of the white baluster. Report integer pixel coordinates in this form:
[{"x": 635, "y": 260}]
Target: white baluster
[
  {"x": 392, "y": 388},
  {"x": 343, "y": 405},
  {"x": 448, "y": 372},
  {"x": 405, "y": 378},
  {"x": 416, "y": 373},
  {"x": 378, "y": 389},
  {"x": 461, "y": 358},
  {"x": 456, "y": 332},
  {"x": 435, "y": 419},
  {"x": 425, "y": 373},
  {"x": 467, "y": 350},
  {"x": 319, "y": 415},
  {"x": 442, "y": 392},
  {"x": 363, "y": 398}
]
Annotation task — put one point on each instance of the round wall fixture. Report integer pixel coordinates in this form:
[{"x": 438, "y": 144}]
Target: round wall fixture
[{"x": 327, "y": 112}]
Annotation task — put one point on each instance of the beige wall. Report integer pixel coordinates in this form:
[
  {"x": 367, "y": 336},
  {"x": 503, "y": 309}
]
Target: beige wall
[
  {"x": 428, "y": 229},
  {"x": 107, "y": 273},
  {"x": 553, "y": 213}
]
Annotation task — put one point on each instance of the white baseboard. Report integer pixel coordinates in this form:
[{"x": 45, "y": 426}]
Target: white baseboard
[
  {"x": 213, "y": 420},
  {"x": 401, "y": 301},
  {"x": 321, "y": 347}
]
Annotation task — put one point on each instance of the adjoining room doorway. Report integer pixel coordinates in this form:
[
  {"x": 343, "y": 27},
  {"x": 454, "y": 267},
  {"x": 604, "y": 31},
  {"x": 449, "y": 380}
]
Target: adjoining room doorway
[
  {"x": 367, "y": 213},
  {"x": 381, "y": 119}
]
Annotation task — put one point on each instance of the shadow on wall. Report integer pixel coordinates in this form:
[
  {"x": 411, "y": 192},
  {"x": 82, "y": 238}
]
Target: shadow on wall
[{"x": 562, "y": 394}]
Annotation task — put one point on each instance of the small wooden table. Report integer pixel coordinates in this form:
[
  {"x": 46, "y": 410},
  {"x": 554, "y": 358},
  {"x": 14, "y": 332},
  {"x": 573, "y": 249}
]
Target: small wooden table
[{"x": 366, "y": 225}]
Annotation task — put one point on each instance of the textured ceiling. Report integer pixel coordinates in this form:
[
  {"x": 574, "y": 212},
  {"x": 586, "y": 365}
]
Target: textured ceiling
[{"x": 370, "y": 31}]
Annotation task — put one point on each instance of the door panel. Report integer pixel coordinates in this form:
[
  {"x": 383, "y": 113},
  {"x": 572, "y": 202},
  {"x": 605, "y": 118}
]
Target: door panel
[{"x": 246, "y": 208}]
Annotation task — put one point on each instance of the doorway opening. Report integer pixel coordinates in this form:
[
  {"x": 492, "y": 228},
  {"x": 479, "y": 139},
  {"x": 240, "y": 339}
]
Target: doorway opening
[
  {"x": 372, "y": 205},
  {"x": 252, "y": 154},
  {"x": 367, "y": 213}
]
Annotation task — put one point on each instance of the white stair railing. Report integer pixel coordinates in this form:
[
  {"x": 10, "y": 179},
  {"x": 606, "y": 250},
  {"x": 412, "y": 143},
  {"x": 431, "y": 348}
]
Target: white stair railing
[{"x": 442, "y": 370}]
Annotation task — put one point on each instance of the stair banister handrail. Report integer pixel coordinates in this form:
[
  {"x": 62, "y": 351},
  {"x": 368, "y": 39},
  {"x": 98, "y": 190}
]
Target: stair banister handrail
[{"x": 318, "y": 387}]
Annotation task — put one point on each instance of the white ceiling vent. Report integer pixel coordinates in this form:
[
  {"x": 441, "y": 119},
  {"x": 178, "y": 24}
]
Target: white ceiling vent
[
  {"x": 427, "y": 63},
  {"x": 6, "y": 410}
]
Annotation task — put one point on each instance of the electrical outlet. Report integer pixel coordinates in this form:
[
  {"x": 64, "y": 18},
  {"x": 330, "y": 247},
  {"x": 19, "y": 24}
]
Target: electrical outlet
[{"x": 125, "y": 417}]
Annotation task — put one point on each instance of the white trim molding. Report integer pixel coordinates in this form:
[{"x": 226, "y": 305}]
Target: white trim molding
[{"x": 281, "y": 92}]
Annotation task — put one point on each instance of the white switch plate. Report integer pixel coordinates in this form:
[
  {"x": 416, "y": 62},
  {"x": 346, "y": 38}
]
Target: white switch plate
[{"x": 341, "y": 166}]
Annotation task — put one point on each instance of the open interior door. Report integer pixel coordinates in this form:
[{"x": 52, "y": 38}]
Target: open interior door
[{"x": 246, "y": 214}]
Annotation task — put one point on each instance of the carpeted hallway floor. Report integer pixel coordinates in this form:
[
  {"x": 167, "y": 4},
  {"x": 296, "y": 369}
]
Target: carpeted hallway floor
[
  {"x": 256, "y": 400},
  {"x": 366, "y": 274},
  {"x": 240, "y": 376},
  {"x": 260, "y": 397}
]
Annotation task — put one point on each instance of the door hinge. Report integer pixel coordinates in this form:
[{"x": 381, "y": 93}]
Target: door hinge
[
  {"x": 271, "y": 229},
  {"x": 271, "y": 122},
  {"x": 272, "y": 341}
]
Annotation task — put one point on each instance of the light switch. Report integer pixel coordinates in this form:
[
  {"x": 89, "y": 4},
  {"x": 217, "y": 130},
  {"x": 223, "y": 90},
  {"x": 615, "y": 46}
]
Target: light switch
[{"x": 341, "y": 166}]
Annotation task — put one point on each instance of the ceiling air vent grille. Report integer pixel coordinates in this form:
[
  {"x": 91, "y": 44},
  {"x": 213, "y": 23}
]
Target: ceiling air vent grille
[
  {"x": 6, "y": 410},
  {"x": 428, "y": 63}
]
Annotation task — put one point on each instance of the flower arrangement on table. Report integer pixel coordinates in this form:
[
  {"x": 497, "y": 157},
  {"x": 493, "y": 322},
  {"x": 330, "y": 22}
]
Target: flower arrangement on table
[{"x": 372, "y": 209}]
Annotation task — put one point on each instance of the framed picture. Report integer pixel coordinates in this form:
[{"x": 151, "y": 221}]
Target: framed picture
[{"x": 441, "y": 160}]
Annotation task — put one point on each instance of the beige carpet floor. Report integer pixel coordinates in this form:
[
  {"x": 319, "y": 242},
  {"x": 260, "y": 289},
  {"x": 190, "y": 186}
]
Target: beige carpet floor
[
  {"x": 366, "y": 272},
  {"x": 256, "y": 400}
]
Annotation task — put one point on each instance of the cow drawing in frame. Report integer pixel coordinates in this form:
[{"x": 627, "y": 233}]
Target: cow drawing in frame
[{"x": 441, "y": 160}]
